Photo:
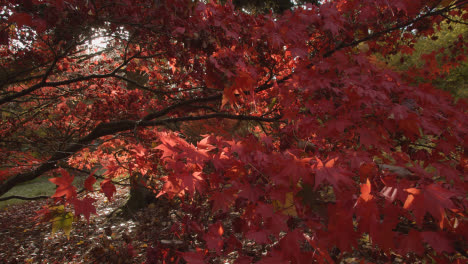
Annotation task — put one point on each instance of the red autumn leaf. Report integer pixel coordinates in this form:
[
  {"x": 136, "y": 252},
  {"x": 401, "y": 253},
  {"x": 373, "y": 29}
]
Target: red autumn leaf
[
  {"x": 277, "y": 259},
  {"x": 367, "y": 171},
  {"x": 223, "y": 200},
  {"x": 260, "y": 237},
  {"x": 108, "y": 188},
  {"x": 64, "y": 185},
  {"x": 192, "y": 181},
  {"x": 178, "y": 31},
  {"x": 293, "y": 169},
  {"x": 399, "y": 112},
  {"x": 89, "y": 182},
  {"x": 333, "y": 175},
  {"x": 197, "y": 257},
  {"x": 264, "y": 210},
  {"x": 410, "y": 126},
  {"x": 365, "y": 191},
  {"x": 4, "y": 37},
  {"x": 339, "y": 125},
  {"x": 432, "y": 199},
  {"x": 84, "y": 207},
  {"x": 438, "y": 241},
  {"x": 21, "y": 19},
  {"x": 213, "y": 237},
  {"x": 232, "y": 244},
  {"x": 340, "y": 230},
  {"x": 249, "y": 192},
  {"x": 290, "y": 244},
  {"x": 40, "y": 25},
  {"x": 277, "y": 223},
  {"x": 368, "y": 137},
  {"x": 139, "y": 151},
  {"x": 411, "y": 242},
  {"x": 244, "y": 260}
]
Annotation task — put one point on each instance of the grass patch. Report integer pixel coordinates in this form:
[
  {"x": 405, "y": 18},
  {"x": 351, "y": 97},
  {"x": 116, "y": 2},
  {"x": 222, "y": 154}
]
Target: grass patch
[{"x": 37, "y": 187}]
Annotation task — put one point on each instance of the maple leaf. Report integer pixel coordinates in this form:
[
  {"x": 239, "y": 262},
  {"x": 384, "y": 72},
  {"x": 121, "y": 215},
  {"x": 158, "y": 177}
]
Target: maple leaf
[
  {"x": 21, "y": 19},
  {"x": 438, "y": 241},
  {"x": 140, "y": 151},
  {"x": 249, "y": 192},
  {"x": 293, "y": 170},
  {"x": 264, "y": 210},
  {"x": 84, "y": 207},
  {"x": 89, "y": 182},
  {"x": 340, "y": 229},
  {"x": 191, "y": 181},
  {"x": 333, "y": 175},
  {"x": 433, "y": 199},
  {"x": 172, "y": 146},
  {"x": 275, "y": 259},
  {"x": 260, "y": 237},
  {"x": 290, "y": 244},
  {"x": 111, "y": 168},
  {"x": 367, "y": 137},
  {"x": 399, "y": 112},
  {"x": 412, "y": 242},
  {"x": 232, "y": 244},
  {"x": 339, "y": 125},
  {"x": 170, "y": 187},
  {"x": 333, "y": 20},
  {"x": 367, "y": 171},
  {"x": 108, "y": 188},
  {"x": 197, "y": 257},
  {"x": 214, "y": 237},
  {"x": 4, "y": 37},
  {"x": 410, "y": 126},
  {"x": 64, "y": 185},
  {"x": 365, "y": 191},
  {"x": 288, "y": 206},
  {"x": 62, "y": 222},
  {"x": 383, "y": 233},
  {"x": 222, "y": 200},
  {"x": 367, "y": 211}
]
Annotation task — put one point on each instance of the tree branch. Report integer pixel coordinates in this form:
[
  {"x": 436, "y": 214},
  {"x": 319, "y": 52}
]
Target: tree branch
[
  {"x": 43, "y": 83},
  {"x": 110, "y": 128},
  {"x": 24, "y": 198}
]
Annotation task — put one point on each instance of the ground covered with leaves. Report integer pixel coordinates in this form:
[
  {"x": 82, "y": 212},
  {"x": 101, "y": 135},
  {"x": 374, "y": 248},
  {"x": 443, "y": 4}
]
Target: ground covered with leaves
[
  {"x": 106, "y": 239},
  {"x": 147, "y": 236}
]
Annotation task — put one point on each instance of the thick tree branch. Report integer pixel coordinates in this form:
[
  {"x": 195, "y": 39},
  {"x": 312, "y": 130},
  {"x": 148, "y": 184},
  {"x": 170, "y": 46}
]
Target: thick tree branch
[
  {"x": 111, "y": 128},
  {"x": 24, "y": 198}
]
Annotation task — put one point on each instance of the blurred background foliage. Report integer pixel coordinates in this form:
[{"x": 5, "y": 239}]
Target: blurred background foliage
[{"x": 448, "y": 37}]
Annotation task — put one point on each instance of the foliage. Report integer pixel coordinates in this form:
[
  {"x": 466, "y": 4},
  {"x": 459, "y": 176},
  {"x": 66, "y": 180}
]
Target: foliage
[
  {"x": 444, "y": 43},
  {"x": 273, "y": 131}
]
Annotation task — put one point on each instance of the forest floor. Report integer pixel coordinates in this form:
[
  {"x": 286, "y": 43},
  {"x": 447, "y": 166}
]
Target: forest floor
[
  {"x": 104, "y": 240},
  {"x": 108, "y": 238}
]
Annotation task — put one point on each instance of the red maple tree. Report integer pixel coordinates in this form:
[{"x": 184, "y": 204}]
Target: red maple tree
[{"x": 299, "y": 131}]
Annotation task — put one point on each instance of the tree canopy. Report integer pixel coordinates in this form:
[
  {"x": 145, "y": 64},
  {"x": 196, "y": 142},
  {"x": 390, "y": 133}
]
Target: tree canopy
[{"x": 279, "y": 130}]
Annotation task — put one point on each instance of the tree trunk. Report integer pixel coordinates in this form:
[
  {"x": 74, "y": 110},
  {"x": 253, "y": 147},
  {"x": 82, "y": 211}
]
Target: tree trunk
[{"x": 139, "y": 198}]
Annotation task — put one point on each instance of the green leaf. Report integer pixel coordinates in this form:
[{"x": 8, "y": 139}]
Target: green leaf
[{"x": 62, "y": 222}]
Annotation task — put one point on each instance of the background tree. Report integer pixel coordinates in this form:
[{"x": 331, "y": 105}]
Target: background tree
[
  {"x": 447, "y": 47},
  {"x": 335, "y": 146}
]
